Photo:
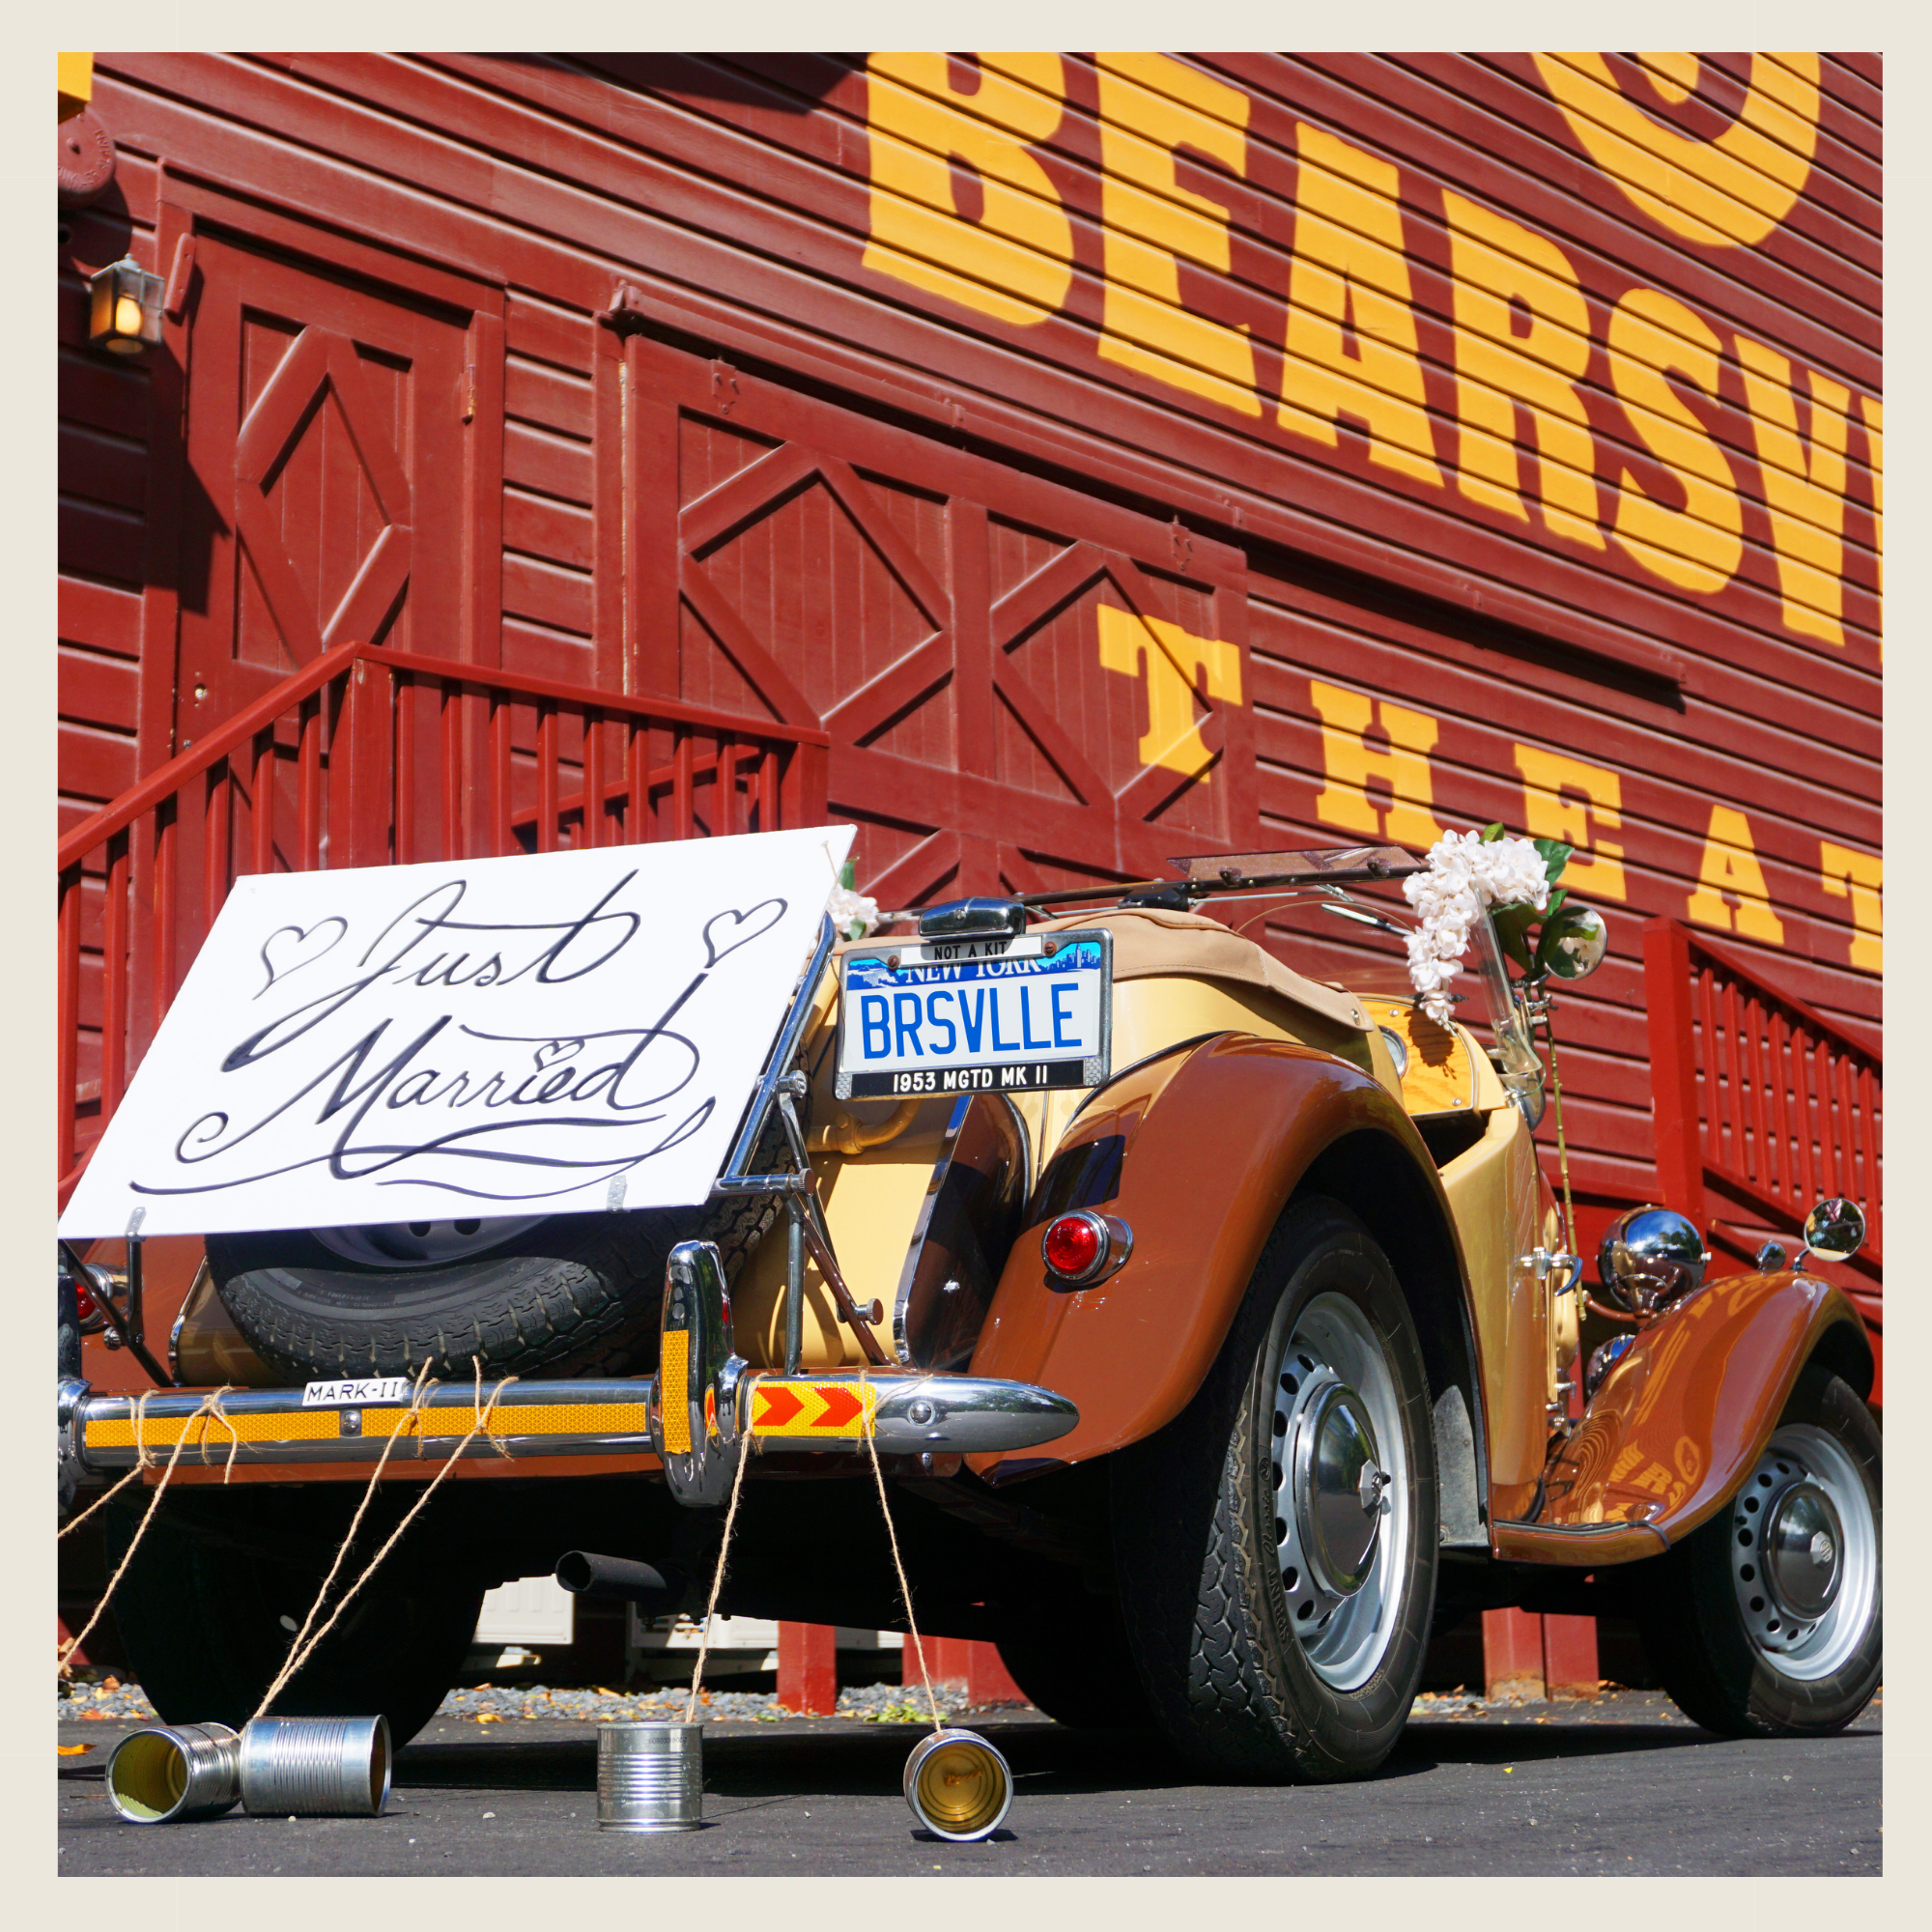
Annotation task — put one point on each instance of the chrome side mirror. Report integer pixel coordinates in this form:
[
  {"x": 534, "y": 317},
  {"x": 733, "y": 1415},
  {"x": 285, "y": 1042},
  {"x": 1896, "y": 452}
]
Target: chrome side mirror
[
  {"x": 1582, "y": 938},
  {"x": 1835, "y": 1229}
]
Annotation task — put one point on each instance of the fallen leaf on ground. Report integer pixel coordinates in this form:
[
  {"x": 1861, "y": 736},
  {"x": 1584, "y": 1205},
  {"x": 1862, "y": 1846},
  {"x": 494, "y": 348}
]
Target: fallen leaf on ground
[{"x": 73, "y": 1751}]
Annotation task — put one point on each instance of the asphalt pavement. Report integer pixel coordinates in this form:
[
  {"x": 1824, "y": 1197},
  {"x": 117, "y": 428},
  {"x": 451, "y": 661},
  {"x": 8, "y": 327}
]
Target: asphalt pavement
[{"x": 1621, "y": 1785}]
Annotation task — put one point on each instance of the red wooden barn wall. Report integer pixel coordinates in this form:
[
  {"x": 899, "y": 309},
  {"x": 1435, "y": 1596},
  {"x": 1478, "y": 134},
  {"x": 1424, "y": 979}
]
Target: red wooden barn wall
[{"x": 1122, "y": 455}]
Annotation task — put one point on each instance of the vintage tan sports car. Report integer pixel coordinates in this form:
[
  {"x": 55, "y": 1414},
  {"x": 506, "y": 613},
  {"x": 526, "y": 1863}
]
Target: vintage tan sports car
[{"x": 1210, "y": 1315}]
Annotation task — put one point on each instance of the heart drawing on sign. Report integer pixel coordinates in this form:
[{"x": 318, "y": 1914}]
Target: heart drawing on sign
[
  {"x": 291, "y": 947},
  {"x": 726, "y": 932}
]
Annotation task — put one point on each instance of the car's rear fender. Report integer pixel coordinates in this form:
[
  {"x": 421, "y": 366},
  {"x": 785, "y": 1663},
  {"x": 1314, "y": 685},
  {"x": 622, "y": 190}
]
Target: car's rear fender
[{"x": 1199, "y": 1150}]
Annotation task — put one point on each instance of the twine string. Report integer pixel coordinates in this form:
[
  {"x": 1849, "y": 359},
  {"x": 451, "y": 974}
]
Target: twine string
[
  {"x": 898, "y": 1565},
  {"x": 1562, "y": 1146},
  {"x": 142, "y": 1462},
  {"x": 412, "y": 1415},
  {"x": 207, "y": 1406},
  {"x": 717, "y": 1577},
  {"x": 300, "y": 1656}
]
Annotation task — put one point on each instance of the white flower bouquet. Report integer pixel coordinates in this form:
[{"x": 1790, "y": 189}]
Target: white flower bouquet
[{"x": 1485, "y": 874}]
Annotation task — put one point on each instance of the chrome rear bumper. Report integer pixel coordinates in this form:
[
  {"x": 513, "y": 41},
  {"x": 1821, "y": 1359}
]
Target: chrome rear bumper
[
  {"x": 696, "y": 1414},
  {"x": 911, "y": 1415}
]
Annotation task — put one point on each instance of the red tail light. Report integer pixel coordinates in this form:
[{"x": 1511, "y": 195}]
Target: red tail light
[{"x": 1079, "y": 1248}]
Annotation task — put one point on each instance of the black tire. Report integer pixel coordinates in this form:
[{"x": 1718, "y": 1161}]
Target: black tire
[
  {"x": 576, "y": 1295},
  {"x": 1210, "y": 1598},
  {"x": 201, "y": 1617},
  {"x": 1720, "y": 1661},
  {"x": 1079, "y": 1671}
]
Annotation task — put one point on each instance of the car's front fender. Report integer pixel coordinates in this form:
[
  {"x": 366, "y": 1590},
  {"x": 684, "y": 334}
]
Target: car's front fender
[{"x": 1680, "y": 1420}]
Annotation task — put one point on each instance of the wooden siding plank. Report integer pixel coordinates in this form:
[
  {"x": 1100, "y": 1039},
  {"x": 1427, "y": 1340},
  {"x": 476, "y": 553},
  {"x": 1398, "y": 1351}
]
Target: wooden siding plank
[
  {"x": 546, "y": 594},
  {"x": 560, "y": 533},
  {"x": 99, "y": 618},
  {"x": 537, "y": 459}
]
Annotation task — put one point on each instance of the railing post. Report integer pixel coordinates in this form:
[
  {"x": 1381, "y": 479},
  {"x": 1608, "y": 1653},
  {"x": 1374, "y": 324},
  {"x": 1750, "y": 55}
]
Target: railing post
[
  {"x": 1673, "y": 1066},
  {"x": 804, "y": 786},
  {"x": 365, "y": 734},
  {"x": 68, "y": 1059}
]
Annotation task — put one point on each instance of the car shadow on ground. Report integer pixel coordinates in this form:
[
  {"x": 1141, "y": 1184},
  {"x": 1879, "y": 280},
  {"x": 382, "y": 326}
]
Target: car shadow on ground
[{"x": 752, "y": 1762}]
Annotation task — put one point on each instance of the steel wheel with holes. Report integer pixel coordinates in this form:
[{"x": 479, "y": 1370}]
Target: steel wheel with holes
[
  {"x": 1767, "y": 1620},
  {"x": 1279, "y": 1576}
]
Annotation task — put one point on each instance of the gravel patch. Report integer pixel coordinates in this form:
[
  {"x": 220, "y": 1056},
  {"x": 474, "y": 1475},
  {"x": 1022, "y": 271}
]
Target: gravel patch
[
  {"x": 488, "y": 1704},
  {"x": 494, "y": 1704},
  {"x": 107, "y": 1698}
]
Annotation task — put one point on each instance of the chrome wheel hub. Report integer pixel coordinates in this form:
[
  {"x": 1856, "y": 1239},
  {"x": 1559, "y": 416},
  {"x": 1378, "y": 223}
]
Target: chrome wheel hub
[
  {"x": 1804, "y": 1554},
  {"x": 1803, "y": 1547},
  {"x": 1338, "y": 1488},
  {"x": 1341, "y": 1517},
  {"x": 405, "y": 1244}
]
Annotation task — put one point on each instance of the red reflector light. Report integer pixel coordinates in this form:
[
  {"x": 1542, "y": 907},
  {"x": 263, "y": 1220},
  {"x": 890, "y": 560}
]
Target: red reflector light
[
  {"x": 85, "y": 1305},
  {"x": 1074, "y": 1245}
]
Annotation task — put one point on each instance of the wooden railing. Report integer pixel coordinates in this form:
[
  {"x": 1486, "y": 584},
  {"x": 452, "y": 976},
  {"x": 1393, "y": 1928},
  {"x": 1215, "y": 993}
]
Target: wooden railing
[
  {"x": 366, "y": 757},
  {"x": 1763, "y": 1105}
]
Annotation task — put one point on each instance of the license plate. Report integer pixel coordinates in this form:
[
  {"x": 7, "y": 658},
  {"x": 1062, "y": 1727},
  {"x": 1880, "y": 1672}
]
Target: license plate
[
  {"x": 355, "y": 1394},
  {"x": 970, "y": 1016}
]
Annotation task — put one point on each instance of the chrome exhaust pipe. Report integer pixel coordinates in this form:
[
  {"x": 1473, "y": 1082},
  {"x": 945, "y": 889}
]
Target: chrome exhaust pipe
[
  {"x": 655, "y": 1591},
  {"x": 172, "y": 1773},
  {"x": 316, "y": 1767}
]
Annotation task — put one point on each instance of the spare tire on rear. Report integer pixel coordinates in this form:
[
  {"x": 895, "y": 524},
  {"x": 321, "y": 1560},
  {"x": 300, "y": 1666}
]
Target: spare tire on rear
[{"x": 561, "y": 1294}]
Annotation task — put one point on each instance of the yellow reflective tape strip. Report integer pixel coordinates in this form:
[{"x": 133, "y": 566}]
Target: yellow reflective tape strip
[
  {"x": 824, "y": 1409},
  {"x": 323, "y": 1425},
  {"x": 537, "y": 1418},
  {"x": 673, "y": 1380},
  {"x": 311, "y": 1425}
]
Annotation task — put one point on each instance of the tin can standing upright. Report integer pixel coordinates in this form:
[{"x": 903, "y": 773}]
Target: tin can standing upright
[{"x": 650, "y": 1778}]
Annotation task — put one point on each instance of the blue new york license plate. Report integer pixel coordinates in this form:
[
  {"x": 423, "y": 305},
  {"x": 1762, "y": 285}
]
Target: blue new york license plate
[{"x": 965, "y": 1015}]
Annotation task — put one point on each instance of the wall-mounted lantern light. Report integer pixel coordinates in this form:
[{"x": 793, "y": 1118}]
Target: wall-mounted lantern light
[{"x": 123, "y": 313}]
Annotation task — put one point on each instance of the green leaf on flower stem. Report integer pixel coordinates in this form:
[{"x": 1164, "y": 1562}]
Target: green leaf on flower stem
[
  {"x": 1555, "y": 855},
  {"x": 1512, "y": 924},
  {"x": 1492, "y": 833},
  {"x": 1557, "y": 898}
]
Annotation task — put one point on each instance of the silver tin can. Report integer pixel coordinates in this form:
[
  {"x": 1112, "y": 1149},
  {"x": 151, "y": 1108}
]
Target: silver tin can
[
  {"x": 172, "y": 1773},
  {"x": 959, "y": 1786},
  {"x": 650, "y": 1778},
  {"x": 316, "y": 1767}
]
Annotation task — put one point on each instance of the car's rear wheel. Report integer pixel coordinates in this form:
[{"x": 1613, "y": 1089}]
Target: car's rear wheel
[
  {"x": 208, "y": 1622},
  {"x": 1767, "y": 1620},
  {"x": 1279, "y": 1572}
]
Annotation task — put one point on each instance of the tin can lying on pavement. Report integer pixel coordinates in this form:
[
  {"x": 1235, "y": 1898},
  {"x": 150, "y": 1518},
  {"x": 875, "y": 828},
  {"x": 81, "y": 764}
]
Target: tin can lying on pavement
[
  {"x": 316, "y": 1767},
  {"x": 959, "y": 1786},
  {"x": 650, "y": 1778},
  {"x": 173, "y": 1773}
]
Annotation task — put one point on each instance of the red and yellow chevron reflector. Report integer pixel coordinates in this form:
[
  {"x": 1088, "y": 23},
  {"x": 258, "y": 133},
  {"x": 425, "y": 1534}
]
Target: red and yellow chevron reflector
[{"x": 787, "y": 1406}]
